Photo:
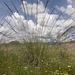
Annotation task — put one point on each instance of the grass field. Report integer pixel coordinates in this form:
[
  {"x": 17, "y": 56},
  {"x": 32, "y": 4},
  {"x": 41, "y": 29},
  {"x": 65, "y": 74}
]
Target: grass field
[
  {"x": 37, "y": 20},
  {"x": 37, "y": 59}
]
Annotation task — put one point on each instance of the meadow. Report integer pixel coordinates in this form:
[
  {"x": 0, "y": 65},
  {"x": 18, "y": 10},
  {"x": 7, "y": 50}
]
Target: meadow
[
  {"x": 37, "y": 59},
  {"x": 36, "y": 21}
]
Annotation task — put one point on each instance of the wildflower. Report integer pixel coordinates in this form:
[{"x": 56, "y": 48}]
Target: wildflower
[
  {"x": 45, "y": 71},
  {"x": 9, "y": 67},
  {"x": 59, "y": 67},
  {"x": 69, "y": 66},
  {"x": 31, "y": 71},
  {"x": 41, "y": 60},
  {"x": 25, "y": 68},
  {"x": 4, "y": 74},
  {"x": 65, "y": 73},
  {"x": 55, "y": 73}
]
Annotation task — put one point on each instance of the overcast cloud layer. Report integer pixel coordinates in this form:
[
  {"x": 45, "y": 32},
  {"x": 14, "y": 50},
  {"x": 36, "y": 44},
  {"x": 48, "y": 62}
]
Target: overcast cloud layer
[{"x": 38, "y": 23}]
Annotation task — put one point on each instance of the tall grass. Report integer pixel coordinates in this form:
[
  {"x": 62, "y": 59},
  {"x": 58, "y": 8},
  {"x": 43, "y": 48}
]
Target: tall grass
[{"x": 36, "y": 58}]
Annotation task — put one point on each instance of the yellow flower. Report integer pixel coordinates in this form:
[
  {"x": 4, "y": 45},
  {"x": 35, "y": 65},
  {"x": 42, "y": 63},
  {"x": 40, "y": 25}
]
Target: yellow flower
[
  {"x": 45, "y": 71},
  {"x": 65, "y": 73},
  {"x": 55, "y": 73}
]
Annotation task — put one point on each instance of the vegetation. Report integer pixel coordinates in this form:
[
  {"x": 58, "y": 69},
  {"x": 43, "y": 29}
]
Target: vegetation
[{"x": 36, "y": 59}]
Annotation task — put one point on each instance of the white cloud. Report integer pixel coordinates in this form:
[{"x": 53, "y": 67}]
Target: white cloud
[
  {"x": 70, "y": 1},
  {"x": 69, "y": 10},
  {"x": 27, "y": 29},
  {"x": 36, "y": 30},
  {"x": 33, "y": 9}
]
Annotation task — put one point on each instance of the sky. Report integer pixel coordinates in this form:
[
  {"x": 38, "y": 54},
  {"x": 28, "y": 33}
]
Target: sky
[
  {"x": 50, "y": 5},
  {"x": 31, "y": 21}
]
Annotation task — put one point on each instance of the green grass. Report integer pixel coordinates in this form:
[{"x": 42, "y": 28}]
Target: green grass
[{"x": 36, "y": 59}]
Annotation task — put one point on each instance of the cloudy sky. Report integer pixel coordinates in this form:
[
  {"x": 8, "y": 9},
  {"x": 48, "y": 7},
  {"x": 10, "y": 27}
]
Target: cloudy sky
[{"x": 32, "y": 19}]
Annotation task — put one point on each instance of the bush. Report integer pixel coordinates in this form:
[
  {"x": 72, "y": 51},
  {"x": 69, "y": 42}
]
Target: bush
[{"x": 36, "y": 53}]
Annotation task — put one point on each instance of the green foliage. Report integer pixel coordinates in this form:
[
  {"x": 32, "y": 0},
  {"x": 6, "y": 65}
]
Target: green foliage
[
  {"x": 36, "y": 53},
  {"x": 36, "y": 59}
]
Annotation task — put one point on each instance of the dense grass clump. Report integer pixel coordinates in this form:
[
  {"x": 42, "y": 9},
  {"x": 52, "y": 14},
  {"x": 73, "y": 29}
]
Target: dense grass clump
[{"x": 36, "y": 59}]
